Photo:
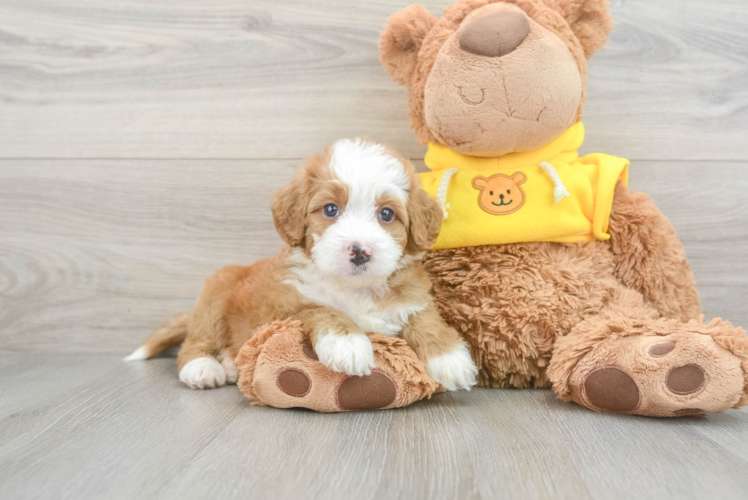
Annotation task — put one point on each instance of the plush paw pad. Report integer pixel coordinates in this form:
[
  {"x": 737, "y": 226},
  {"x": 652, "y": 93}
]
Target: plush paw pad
[
  {"x": 684, "y": 373},
  {"x": 661, "y": 350},
  {"x": 685, "y": 379},
  {"x": 294, "y": 382},
  {"x": 366, "y": 393},
  {"x": 612, "y": 389}
]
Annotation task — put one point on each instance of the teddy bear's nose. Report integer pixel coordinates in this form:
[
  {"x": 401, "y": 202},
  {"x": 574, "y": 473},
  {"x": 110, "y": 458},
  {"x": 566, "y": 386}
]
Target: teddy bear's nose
[{"x": 495, "y": 35}]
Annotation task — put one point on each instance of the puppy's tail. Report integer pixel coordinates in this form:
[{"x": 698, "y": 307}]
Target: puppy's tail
[{"x": 170, "y": 335}]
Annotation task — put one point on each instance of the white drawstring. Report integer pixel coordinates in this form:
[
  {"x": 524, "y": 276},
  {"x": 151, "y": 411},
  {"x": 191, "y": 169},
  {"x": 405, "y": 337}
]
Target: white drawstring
[
  {"x": 441, "y": 192},
  {"x": 560, "y": 191}
]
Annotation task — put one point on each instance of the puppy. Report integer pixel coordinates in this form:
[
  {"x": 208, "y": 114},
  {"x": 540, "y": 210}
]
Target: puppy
[{"x": 356, "y": 224}]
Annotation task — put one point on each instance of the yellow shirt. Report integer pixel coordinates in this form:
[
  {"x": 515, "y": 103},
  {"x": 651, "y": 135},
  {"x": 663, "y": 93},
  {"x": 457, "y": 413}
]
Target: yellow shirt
[{"x": 549, "y": 194}]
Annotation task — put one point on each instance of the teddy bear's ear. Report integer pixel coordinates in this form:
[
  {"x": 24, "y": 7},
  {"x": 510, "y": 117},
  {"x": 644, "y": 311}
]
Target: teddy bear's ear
[
  {"x": 479, "y": 182},
  {"x": 591, "y": 22},
  {"x": 519, "y": 178},
  {"x": 401, "y": 40}
]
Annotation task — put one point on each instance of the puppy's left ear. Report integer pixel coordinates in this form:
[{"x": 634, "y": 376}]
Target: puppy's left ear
[
  {"x": 289, "y": 209},
  {"x": 425, "y": 216}
]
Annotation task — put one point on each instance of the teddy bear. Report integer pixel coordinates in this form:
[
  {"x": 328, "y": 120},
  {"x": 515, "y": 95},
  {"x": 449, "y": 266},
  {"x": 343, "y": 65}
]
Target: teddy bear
[
  {"x": 555, "y": 273},
  {"x": 579, "y": 283}
]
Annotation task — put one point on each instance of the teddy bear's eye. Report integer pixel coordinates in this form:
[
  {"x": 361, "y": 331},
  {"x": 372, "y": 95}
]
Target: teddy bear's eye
[
  {"x": 491, "y": 193},
  {"x": 508, "y": 191}
]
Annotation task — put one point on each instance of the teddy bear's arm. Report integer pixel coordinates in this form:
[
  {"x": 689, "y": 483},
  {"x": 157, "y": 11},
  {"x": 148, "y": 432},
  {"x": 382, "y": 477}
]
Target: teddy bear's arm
[{"x": 649, "y": 257}]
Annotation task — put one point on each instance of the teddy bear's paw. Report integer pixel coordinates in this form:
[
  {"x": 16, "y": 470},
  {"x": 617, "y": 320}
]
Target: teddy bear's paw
[
  {"x": 280, "y": 368},
  {"x": 679, "y": 374},
  {"x": 454, "y": 370},
  {"x": 306, "y": 382}
]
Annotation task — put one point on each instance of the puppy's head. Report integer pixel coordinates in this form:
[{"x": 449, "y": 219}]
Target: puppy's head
[{"x": 357, "y": 211}]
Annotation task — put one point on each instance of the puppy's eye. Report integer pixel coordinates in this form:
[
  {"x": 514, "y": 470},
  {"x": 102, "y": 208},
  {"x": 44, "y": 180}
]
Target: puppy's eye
[
  {"x": 331, "y": 210},
  {"x": 387, "y": 215}
]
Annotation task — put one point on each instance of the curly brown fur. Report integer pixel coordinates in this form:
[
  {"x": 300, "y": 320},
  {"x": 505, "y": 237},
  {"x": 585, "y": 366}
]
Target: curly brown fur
[{"x": 511, "y": 302}]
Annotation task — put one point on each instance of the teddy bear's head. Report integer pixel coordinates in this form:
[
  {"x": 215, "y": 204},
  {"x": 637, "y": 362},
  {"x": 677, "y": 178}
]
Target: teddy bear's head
[{"x": 494, "y": 77}]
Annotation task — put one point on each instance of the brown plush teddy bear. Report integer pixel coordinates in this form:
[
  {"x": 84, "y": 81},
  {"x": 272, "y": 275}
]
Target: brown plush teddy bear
[
  {"x": 554, "y": 272},
  {"x": 552, "y": 269}
]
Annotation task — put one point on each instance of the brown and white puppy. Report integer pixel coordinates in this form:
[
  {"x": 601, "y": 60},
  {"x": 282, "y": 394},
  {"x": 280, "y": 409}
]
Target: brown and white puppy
[{"x": 356, "y": 224}]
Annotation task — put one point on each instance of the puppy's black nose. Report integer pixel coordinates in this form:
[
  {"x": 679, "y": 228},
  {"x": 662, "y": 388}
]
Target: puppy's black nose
[{"x": 360, "y": 254}]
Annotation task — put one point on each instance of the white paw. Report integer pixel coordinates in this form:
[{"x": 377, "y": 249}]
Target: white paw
[
  {"x": 352, "y": 354},
  {"x": 203, "y": 373},
  {"x": 232, "y": 374},
  {"x": 454, "y": 370}
]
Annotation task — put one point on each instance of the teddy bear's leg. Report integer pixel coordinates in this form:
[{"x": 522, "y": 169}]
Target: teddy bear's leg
[
  {"x": 279, "y": 367},
  {"x": 649, "y": 257},
  {"x": 629, "y": 360}
]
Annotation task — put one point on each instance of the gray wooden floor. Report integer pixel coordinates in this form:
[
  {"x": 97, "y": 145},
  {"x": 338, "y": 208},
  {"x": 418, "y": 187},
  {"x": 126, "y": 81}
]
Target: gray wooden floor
[
  {"x": 89, "y": 426},
  {"x": 140, "y": 141}
]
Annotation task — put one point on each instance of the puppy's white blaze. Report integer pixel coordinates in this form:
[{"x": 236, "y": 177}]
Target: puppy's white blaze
[
  {"x": 138, "y": 355},
  {"x": 350, "y": 353},
  {"x": 369, "y": 171},
  {"x": 203, "y": 373},
  {"x": 454, "y": 370}
]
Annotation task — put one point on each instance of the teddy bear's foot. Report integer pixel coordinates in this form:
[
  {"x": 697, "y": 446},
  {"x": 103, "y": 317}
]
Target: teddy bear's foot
[
  {"x": 663, "y": 368},
  {"x": 278, "y": 367}
]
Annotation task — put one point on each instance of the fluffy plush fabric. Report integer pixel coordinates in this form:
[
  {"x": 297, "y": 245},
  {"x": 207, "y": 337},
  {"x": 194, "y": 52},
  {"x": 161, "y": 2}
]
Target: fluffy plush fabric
[
  {"x": 549, "y": 314},
  {"x": 582, "y": 26},
  {"x": 278, "y": 367},
  {"x": 614, "y": 325}
]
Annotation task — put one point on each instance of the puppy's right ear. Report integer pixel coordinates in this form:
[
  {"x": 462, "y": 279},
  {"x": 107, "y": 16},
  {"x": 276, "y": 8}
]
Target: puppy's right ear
[
  {"x": 401, "y": 40},
  {"x": 289, "y": 209}
]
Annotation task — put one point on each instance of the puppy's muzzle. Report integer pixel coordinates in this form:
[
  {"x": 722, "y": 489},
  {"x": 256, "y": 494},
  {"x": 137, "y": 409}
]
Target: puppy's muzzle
[{"x": 360, "y": 254}]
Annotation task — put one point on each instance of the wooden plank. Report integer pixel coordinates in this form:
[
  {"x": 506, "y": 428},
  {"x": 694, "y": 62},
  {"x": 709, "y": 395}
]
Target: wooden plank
[
  {"x": 263, "y": 79},
  {"x": 95, "y": 254},
  {"x": 528, "y": 444},
  {"x": 94, "y": 439},
  {"x": 133, "y": 431}
]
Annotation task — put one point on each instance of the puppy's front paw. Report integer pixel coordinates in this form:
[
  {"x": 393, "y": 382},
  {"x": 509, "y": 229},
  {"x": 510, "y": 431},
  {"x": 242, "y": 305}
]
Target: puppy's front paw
[
  {"x": 454, "y": 370},
  {"x": 352, "y": 354},
  {"x": 203, "y": 373}
]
